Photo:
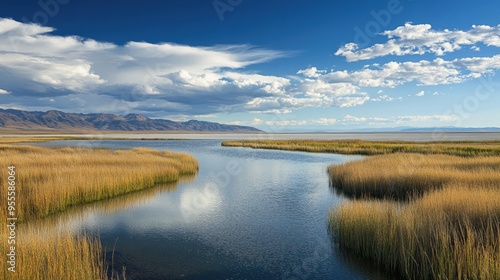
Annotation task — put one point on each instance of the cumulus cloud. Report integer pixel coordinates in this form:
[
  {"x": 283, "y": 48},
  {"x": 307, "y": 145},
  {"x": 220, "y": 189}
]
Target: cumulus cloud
[
  {"x": 413, "y": 39},
  {"x": 311, "y": 72},
  {"x": 424, "y": 72},
  {"x": 312, "y": 91}
]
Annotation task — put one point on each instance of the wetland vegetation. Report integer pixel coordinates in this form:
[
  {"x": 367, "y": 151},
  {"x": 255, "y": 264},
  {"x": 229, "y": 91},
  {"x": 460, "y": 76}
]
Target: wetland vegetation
[{"x": 52, "y": 180}]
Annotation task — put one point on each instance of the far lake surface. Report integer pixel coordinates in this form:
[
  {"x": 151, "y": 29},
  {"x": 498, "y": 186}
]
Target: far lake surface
[{"x": 248, "y": 214}]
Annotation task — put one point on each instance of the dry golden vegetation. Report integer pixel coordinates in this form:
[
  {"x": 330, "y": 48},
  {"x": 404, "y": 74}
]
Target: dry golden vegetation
[
  {"x": 440, "y": 213},
  {"x": 51, "y": 180},
  {"x": 360, "y": 147},
  {"x": 27, "y": 139},
  {"x": 403, "y": 176},
  {"x": 450, "y": 229},
  {"x": 449, "y": 234},
  {"x": 60, "y": 256}
]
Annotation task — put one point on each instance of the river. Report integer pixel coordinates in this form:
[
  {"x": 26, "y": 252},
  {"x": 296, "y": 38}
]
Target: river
[{"x": 248, "y": 214}]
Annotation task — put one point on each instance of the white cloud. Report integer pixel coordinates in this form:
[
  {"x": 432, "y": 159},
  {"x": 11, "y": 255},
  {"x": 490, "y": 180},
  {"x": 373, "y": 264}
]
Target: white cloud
[
  {"x": 282, "y": 105},
  {"x": 257, "y": 121},
  {"x": 441, "y": 118},
  {"x": 209, "y": 116},
  {"x": 385, "y": 97},
  {"x": 353, "y": 119},
  {"x": 37, "y": 63},
  {"x": 311, "y": 72},
  {"x": 320, "y": 121},
  {"x": 421, "y": 93},
  {"x": 140, "y": 77},
  {"x": 424, "y": 72},
  {"x": 420, "y": 39},
  {"x": 397, "y": 120}
]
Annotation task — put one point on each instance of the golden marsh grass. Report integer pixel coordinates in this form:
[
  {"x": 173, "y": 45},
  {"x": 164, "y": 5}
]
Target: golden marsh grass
[
  {"x": 402, "y": 176},
  {"x": 450, "y": 229},
  {"x": 361, "y": 147},
  {"x": 60, "y": 256},
  {"x": 453, "y": 233},
  {"x": 51, "y": 180}
]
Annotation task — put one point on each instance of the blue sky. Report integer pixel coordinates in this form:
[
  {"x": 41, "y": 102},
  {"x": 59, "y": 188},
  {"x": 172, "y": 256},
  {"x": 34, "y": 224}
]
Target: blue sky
[{"x": 276, "y": 65}]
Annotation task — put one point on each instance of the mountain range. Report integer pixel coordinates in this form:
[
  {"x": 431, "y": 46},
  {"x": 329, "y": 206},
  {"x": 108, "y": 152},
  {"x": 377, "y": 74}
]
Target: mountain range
[{"x": 17, "y": 120}]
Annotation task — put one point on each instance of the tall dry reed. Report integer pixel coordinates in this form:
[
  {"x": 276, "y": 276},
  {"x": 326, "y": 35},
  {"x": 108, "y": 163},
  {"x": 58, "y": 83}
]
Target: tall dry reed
[
  {"x": 361, "y": 147},
  {"x": 453, "y": 233},
  {"x": 402, "y": 176}
]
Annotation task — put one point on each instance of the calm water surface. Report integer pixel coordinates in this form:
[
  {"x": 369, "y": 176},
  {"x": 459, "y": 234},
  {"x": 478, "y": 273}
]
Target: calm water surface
[{"x": 248, "y": 214}]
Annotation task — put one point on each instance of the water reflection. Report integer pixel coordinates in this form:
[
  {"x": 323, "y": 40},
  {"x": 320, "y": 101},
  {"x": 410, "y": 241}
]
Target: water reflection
[{"x": 72, "y": 219}]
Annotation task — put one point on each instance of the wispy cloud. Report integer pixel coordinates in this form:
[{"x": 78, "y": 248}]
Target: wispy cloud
[
  {"x": 396, "y": 120},
  {"x": 385, "y": 97}
]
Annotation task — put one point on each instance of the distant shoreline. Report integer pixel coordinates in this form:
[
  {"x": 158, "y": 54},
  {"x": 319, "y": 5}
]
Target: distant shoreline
[{"x": 372, "y": 136}]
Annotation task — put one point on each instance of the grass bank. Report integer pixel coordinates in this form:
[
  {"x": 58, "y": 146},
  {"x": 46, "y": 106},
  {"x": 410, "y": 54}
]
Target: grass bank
[
  {"x": 403, "y": 176},
  {"x": 360, "y": 147},
  {"x": 51, "y": 180},
  {"x": 449, "y": 234},
  {"x": 423, "y": 210}
]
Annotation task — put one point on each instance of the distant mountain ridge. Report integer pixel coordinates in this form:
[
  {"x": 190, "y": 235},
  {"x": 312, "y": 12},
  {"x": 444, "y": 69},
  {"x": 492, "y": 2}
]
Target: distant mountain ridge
[{"x": 17, "y": 120}]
